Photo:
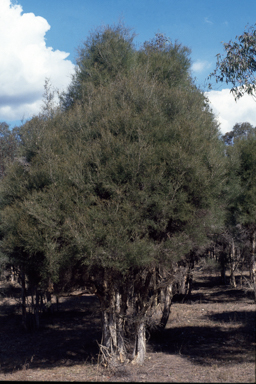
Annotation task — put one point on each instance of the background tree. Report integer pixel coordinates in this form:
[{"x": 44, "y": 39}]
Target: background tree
[
  {"x": 8, "y": 146},
  {"x": 240, "y": 190},
  {"x": 246, "y": 200},
  {"x": 239, "y": 131},
  {"x": 238, "y": 65},
  {"x": 19, "y": 183},
  {"x": 9, "y": 141}
]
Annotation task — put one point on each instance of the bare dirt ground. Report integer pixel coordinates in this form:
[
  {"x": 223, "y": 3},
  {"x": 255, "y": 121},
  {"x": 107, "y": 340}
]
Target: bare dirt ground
[{"x": 210, "y": 338}]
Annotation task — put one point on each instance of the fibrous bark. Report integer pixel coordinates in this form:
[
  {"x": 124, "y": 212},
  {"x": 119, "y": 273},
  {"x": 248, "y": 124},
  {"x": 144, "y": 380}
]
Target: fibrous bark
[
  {"x": 139, "y": 352},
  {"x": 112, "y": 344}
]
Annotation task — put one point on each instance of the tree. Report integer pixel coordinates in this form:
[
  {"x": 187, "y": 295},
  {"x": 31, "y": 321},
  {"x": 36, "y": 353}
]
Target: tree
[
  {"x": 120, "y": 186},
  {"x": 246, "y": 201},
  {"x": 8, "y": 150},
  {"x": 238, "y": 65},
  {"x": 20, "y": 147},
  {"x": 240, "y": 188},
  {"x": 239, "y": 131},
  {"x": 8, "y": 146}
]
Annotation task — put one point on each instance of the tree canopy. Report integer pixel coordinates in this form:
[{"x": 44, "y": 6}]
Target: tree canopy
[{"x": 118, "y": 186}]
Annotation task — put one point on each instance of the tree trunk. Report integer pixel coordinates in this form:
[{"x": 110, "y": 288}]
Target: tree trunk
[
  {"x": 253, "y": 263},
  {"x": 183, "y": 283},
  {"x": 23, "y": 300},
  {"x": 108, "y": 331},
  {"x": 223, "y": 264},
  {"x": 120, "y": 327},
  {"x": 166, "y": 297},
  {"x": 48, "y": 302},
  {"x": 113, "y": 347},
  {"x": 154, "y": 287},
  {"x": 232, "y": 264},
  {"x": 139, "y": 352},
  {"x": 37, "y": 310},
  {"x": 12, "y": 274}
]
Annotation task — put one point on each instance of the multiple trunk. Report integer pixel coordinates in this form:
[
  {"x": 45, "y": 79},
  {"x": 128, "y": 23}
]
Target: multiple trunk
[
  {"x": 32, "y": 303},
  {"x": 125, "y": 317}
]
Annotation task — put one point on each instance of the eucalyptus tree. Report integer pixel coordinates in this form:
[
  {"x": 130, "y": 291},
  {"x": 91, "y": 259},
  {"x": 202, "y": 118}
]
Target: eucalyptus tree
[
  {"x": 240, "y": 130},
  {"x": 120, "y": 185},
  {"x": 238, "y": 65}
]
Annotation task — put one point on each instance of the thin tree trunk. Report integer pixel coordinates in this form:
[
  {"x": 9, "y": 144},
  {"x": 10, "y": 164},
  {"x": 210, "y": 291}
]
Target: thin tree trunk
[
  {"x": 184, "y": 282},
  {"x": 23, "y": 300},
  {"x": 106, "y": 333},
  {"x": 253, "y": 263},
  {"x": 154, "y": 288},
  {"x": 37, "y": 310},
  {"x": 48, "y": 302},
  {"x": 12, "y": 274},
  {"x": 166, "y": 297},
  {"x": 232, "y": 264},
  {"x": 223, "y": 267},
  {"x": 120, "y": 328}
]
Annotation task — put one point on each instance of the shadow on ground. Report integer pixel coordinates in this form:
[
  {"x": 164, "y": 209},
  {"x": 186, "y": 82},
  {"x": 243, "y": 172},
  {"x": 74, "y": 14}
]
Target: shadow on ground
[
  {"x": 225, "y": 337},
  {"x": 70, "y": 336},
  {"x": 66, "y": 337},
  {"x": 208, "y": 345},
  {"x": 209, "y": 288}
]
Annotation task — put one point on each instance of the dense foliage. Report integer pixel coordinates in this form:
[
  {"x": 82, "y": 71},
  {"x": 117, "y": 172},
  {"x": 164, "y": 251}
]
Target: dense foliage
[{"x": 118, "y": 186}]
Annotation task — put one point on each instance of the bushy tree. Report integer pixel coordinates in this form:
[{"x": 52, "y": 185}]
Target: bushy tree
[
  {"x": 246, "y": 200},
  {"x": 8, "y": 146},
  {"x": 119, "y": 186},
  {"x": 240, "y": 189},
  {"x": 9, "y": 141}
]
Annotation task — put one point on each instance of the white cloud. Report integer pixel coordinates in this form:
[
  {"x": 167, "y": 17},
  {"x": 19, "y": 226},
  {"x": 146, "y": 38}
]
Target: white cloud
[
  {"x": 200, "y": 66},
  {"x": 206, "y": 20},
  {"x": 229, "y": 112},
  {"x": 26, "y": 62}
]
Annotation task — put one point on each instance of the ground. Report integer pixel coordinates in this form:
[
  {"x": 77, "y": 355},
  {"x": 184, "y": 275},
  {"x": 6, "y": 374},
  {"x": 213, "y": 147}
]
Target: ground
[{"x": 210, "y": 338}]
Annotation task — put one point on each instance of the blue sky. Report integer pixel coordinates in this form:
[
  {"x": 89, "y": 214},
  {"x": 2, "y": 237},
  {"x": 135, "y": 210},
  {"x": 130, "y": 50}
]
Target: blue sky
[
  {"x": 39, "y": 39},
  {"x": 201, "y": 25}
]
